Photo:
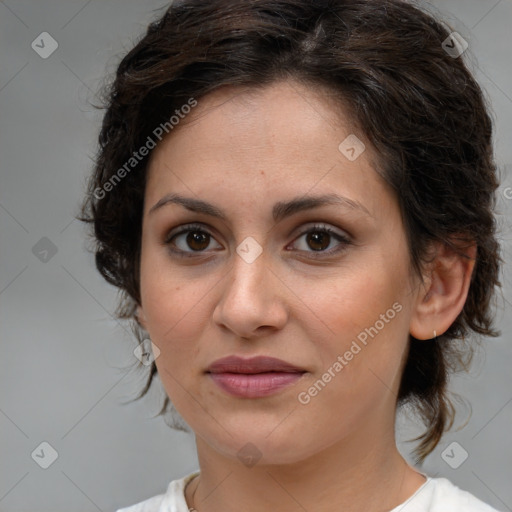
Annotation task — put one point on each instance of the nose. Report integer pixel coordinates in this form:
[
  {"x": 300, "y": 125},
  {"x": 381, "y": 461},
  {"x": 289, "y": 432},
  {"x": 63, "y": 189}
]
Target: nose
[{"x": 252, "y": 302}]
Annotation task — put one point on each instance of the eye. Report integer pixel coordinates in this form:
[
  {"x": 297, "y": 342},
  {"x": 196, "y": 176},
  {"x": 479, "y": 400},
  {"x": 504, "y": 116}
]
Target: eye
[
  {"x": 318, "y": 238},
  {"x": 189, "y": 240},
  {"x": 192, "y": 240}
]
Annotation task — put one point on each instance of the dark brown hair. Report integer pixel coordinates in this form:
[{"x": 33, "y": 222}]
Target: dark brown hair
[{"x": 418, "y": 105}]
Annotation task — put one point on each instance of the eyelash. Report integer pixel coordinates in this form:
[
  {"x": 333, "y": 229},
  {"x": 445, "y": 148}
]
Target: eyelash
[{"x": 344, "y": 241}]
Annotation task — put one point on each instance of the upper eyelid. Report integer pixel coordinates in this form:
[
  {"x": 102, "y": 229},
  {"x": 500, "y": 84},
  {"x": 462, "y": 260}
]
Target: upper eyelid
[
  {"x": 185, "y": 228},
  {"x": 204, "y": 227},
  {"x": 318, "y": 225}
]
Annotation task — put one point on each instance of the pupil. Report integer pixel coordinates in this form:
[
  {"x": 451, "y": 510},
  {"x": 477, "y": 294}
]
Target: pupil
[
  {"x": 195, "y": 238},
  {"x": 317, "y": 238},
  {"x": 198, "y": 241}
]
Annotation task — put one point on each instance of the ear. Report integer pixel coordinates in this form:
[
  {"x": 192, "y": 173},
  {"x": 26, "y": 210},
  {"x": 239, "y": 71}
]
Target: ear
[
  {"x": 140, "y": 316},
  {"x": 442, "y": 296}
]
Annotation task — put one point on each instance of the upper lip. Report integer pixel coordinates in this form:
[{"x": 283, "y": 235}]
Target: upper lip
[{"x": 259, "y": 364}]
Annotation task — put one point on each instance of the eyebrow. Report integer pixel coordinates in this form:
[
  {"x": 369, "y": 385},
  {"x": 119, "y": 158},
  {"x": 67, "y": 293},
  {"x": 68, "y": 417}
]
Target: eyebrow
[{"x": 280, "y": 210}]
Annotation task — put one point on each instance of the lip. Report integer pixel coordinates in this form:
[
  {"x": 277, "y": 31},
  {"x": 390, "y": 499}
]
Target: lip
[
  {"x": 255, "y": 377},
  {"x": 259, "y": 364}
]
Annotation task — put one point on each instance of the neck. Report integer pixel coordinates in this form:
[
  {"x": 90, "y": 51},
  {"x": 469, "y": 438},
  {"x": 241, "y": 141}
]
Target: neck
[{"x": 341, "y": 477}]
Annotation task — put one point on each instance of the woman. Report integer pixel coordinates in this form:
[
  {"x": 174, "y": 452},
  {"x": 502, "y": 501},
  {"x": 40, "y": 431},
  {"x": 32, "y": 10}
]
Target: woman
[{"x": 295, "y": 199}]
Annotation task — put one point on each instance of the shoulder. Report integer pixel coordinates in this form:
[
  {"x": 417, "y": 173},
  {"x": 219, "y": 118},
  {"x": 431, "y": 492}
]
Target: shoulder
[
  {"x": 444, "y": 495},
  {"x": 150, "y": 505},
  {"x": 172, "y": 500}
]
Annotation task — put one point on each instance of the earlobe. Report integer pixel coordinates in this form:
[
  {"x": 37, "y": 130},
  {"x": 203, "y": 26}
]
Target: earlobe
[{"x": 443, "y": 294}]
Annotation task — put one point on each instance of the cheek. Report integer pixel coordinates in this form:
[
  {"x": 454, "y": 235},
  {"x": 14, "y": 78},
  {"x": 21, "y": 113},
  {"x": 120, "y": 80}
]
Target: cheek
[
  {"x": 176, "y": 305},
  {"x": 355, "y": 299},
  {"x": 175, "y": 314},
  {"x": 366, "y": 313}
]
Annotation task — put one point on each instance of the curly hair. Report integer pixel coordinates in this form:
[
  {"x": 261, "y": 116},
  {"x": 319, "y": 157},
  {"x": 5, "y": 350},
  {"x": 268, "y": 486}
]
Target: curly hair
[{"x": 387, "y": 62}]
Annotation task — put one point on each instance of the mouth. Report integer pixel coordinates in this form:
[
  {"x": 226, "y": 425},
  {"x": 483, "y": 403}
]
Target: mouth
[{"x": 256, "y": 377}]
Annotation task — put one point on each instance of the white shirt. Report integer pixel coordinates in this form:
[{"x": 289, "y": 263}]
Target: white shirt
[{"x": 435, "y": 495}]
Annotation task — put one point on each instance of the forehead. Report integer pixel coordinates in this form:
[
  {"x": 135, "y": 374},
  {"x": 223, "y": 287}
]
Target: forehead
[
  {"x": 286, "y": 132},
  {"x": 265, "y": 114}
]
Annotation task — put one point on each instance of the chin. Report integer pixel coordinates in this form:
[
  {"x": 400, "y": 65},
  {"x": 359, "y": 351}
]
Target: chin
[{"x": 251, "y": 444}]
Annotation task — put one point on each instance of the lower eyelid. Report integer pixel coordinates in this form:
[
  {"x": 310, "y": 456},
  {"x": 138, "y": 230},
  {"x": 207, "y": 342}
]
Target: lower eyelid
[
  {"x": 170, "y": 241},
  {"x": 342, "y": 239}
]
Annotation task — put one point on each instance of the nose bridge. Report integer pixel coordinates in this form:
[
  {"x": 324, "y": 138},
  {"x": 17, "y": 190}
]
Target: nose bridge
[
  {"x": 250, "y": 296},
  {"x": 249, "y": 273}
]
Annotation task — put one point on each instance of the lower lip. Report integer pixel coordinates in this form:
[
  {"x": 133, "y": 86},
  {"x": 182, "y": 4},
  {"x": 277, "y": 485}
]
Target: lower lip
[{"x": 254, "y": 385}]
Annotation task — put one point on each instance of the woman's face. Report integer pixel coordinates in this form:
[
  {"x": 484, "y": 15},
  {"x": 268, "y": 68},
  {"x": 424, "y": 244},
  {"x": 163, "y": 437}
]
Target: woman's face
[{"x": 268, "y": 280}]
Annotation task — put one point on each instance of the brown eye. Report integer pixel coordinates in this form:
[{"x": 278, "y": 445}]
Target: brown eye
[
  {"x": 190, "y": 240},
  {"x": 198, "y": 240},
  {"x": 317, "y": 240}
]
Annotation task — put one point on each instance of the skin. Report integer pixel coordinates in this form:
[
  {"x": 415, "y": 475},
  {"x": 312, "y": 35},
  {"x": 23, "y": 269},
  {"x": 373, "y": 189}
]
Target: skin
[{"x": 244, "y": 151}]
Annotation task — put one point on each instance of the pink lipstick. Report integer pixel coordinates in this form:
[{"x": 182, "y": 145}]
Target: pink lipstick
[{"x": 256, "y": 377}]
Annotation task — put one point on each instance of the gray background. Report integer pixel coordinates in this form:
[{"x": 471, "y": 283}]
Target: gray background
[{"x": 61, "y": 367}]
